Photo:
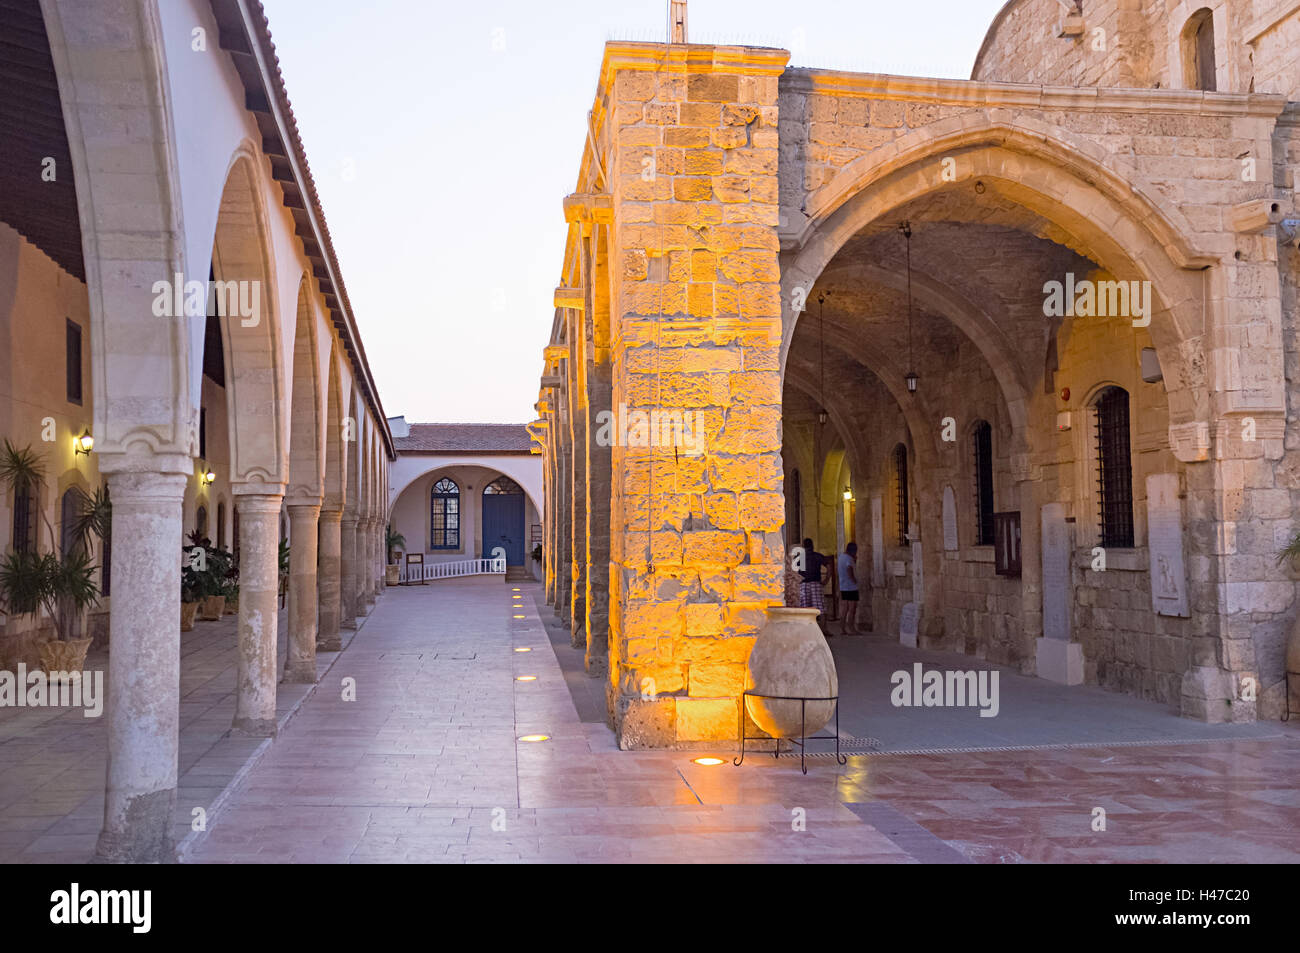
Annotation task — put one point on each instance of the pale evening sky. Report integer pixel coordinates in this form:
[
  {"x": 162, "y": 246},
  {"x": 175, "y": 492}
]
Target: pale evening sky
[{"x": 443, "y": 137}]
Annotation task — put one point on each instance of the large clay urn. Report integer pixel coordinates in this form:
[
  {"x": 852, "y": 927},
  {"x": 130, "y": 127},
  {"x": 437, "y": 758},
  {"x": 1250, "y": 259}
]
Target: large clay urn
[
  {"x": 1292, "y": 702},
  {"x": 791, "y": 658}
]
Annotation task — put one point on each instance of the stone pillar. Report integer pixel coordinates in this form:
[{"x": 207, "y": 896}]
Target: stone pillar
[
  {"x": 577, "y": 413},
  {"x": 300, "y": 666},
  {"x": 563, "y": 564},
  {"x": 548, "y": 554},
  {"x": 259, "y": 579},
  {"x": 348, "y": 572},
  {"x": 144, "y": 669},
  {"x": 696, "y": 549},
  {"x": 599, "y": 398},
  {"x": 327, "y": 581},
  {"x": 368, "y": 563}
]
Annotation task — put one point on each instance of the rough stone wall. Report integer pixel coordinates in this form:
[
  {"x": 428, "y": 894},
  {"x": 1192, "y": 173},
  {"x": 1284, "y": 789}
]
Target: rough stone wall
[
  {"x": 1026, "y": 46},
  {"x": 696, "y": 548},
  {"x": 1273, "y": 54},
  {"x": 1224, "y": 369}
]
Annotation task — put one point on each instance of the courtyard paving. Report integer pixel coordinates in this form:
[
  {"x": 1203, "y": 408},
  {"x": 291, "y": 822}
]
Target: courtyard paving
[
  {"x": 53, "y": 760},
  {"x": 409, "y": 750}
]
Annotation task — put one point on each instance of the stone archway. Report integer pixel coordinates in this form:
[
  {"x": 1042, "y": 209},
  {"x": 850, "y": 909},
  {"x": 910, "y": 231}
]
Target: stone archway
[
  {"x": 306, "y": 487},
  {"x": 243, "y": 297}
]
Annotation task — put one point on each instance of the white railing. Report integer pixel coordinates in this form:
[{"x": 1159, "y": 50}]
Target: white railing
[{"x": 462, "y": 567}]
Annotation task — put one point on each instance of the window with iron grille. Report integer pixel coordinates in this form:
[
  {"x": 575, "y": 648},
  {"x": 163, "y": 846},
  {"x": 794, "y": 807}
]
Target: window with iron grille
[
  {"x": 445, "y": 515},
  {"x": 900, "y": 492},
  {"x": 24, "y": 539},
  {"x": 1114, "y": 468},
  {"x": 983, "y": 441}
]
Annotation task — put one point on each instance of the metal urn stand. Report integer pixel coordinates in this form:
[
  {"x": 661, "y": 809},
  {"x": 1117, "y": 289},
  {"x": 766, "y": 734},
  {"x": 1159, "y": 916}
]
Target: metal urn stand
[{"x": 803, "y": 721}]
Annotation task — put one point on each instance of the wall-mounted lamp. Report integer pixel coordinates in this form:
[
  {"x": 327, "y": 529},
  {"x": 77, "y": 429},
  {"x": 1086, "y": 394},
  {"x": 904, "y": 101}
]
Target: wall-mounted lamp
[
  {"x": 208, "y": 477},
  {"x": 821, "y": 417},
  {"x": 911, "y": 379},
  {"x": 848, "y": 494},
  {"x": 83, "y": 444}
]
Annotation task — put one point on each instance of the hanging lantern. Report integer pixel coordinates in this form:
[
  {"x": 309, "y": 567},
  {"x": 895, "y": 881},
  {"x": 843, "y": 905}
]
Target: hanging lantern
[{"x": 911, "y": 379}]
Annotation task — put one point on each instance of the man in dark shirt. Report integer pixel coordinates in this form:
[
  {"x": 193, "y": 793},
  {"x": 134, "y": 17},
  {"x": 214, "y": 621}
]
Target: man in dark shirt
[{"x": 814, "y": 574}]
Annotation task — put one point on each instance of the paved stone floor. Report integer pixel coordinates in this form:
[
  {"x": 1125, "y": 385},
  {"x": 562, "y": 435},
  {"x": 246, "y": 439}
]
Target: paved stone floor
[
  {"x": 425, "y": 765},
  {"x": 53, "y": 760}
]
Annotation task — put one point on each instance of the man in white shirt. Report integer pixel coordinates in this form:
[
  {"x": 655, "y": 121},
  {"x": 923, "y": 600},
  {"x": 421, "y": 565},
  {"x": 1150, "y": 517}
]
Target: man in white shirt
[{"x": 849, "y": 588}]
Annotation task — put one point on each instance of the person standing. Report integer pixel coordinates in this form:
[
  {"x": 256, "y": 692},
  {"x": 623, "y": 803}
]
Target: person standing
[
  {"x": 815, "y": 573},
  {"x": 848, "y": 562}
]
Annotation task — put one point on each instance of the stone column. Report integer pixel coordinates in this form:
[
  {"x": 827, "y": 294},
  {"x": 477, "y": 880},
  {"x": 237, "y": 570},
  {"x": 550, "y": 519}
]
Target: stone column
[
  {"x": 696, "y": 548},
  {"x": 259, "y": 578},
  {"x": 348, "y": 572},
  {"x": 144, "y": 669},
  {"x": 577, "y": 413},
  {"x": 300, "y": 666},
  {"x": 327, "y": 581},
  {"x": 368, "y": 563},
  {"x": 548, "y": 554}
]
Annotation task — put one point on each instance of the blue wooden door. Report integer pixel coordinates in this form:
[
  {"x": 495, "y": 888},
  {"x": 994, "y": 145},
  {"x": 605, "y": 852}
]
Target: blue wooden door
[{"x": 503, "y": 525}]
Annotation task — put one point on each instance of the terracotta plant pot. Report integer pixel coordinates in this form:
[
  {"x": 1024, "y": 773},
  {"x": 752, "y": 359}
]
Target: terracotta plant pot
[
  {"x": 392, "y": 575},
  {"x": 791, "y": 657},
  {"x": 67, "y": 656},
  {"x": 212, "y": 607},
  {"x": 232, "y": 605},
  {"x": 188, "y": 611}
]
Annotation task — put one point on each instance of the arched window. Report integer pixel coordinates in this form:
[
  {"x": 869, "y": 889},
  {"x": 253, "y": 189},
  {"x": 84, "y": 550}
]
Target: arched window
[
  {"x": 901, "y": 508},
  {"x": 445, "y": 515},
  {"x": 221, "y": 525},
  {"x": 504, "y": 485},
  {"x": 1198, "y": 51},
  {"x": 68, "y": 513},
  {"x": 201, "y": 521},
  {"x": 982, "y": 438},
  {"x": 1114, "y": 468}
]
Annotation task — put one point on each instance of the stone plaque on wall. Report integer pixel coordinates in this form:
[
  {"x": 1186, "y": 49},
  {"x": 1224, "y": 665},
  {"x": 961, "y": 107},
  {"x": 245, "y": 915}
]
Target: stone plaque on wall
[
  {"x": 907, "y": 624},
  {"x": 1165, "y": 546},
  {"x": 1056, "y": 573},
  {"x": 949, "y": 519},
  {"x": 918, "y": 574},
  {"x": 877, "y": 542}
]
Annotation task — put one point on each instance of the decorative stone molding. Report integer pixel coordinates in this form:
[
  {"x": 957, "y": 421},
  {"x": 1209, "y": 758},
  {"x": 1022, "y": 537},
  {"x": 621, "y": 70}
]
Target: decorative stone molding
[
  {"x": 570, "y": 298},
  {"x": 1190, "y": 442}
]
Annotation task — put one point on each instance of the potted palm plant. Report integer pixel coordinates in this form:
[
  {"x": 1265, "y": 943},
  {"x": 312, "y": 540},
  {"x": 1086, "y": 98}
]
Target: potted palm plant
[
  {"x": 283, "y": 566},
  {"x": 395, "y": 543},
  {"x": 62, "y": 585},
  {"x": 191, "y": 591}
]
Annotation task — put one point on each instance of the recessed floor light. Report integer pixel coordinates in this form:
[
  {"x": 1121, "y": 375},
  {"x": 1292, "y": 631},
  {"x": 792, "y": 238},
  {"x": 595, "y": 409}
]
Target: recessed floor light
[
  {"x": 521, "y": 617},
  {"x": 535, "y": 738},
  {"x": 525, "y": 678},
  {"x": 708, "y": 762},
  {"x": 515, "y": 589},
  {"x": 523, "y": 648}
]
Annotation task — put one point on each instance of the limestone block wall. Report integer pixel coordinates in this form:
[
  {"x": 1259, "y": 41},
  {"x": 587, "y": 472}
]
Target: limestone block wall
[
  {"x": 696, "y": 544},
  {"x": 1024, "y": 45}
]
